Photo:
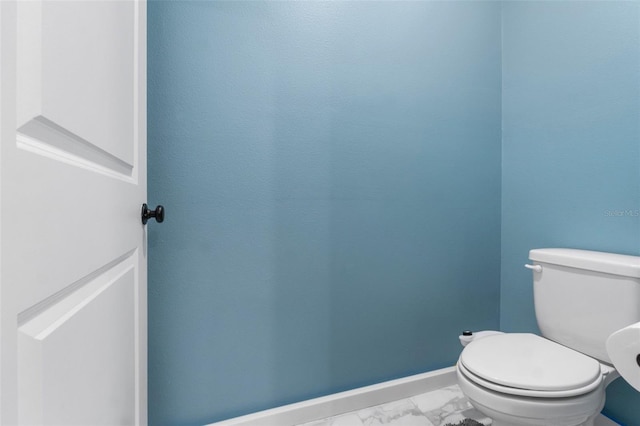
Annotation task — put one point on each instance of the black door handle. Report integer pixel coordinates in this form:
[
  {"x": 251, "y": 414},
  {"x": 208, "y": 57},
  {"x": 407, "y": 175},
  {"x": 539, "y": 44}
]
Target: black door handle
[{"x": 157, "y": 214}]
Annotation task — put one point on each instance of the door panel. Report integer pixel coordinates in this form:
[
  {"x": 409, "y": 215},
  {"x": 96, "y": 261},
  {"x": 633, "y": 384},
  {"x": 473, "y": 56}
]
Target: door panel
[
  {"x": 78, "y": 393},
  {"x": 64, "y": 227},
  {"x": 78, "y": 72},
  {"x": 72, "y": 182}
]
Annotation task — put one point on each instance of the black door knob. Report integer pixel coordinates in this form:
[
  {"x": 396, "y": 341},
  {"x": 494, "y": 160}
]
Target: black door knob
[{"x": 157, "y": 214}]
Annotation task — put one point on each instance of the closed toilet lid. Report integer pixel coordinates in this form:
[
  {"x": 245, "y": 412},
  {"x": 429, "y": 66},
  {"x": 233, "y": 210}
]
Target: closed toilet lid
[{"x": 527, "y": 361}]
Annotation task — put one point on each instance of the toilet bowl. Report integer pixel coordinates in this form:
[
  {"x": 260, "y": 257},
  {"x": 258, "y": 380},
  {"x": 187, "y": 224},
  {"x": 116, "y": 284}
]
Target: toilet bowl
[
  {"x": 524, "y": 379},
  {"x": 559, "y": 378}
]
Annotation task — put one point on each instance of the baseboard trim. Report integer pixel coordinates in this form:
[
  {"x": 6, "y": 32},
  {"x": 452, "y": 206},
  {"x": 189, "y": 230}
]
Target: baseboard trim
[{"x": 344, "y": 402}]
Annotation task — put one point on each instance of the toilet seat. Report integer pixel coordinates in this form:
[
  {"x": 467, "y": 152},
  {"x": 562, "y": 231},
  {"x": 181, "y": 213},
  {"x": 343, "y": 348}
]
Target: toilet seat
[
  {"x": 528, "y": 365},
  {"x": 527, "y": 392}
]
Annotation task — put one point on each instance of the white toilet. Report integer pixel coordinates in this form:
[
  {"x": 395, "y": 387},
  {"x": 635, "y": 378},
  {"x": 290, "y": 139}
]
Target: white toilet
[{"x": 581, "y": 297}]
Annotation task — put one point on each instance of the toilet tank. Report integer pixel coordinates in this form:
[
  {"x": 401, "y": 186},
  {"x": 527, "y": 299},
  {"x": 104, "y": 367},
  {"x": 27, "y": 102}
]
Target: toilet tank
[{"x": 581, "y": 296}]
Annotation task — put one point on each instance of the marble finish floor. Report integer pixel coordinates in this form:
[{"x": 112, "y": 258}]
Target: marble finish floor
[{"x": 446, "y": 406}]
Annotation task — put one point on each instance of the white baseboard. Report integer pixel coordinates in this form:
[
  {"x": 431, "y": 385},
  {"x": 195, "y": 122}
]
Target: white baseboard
[
  {"x": 344, "y": 402},
  {"x": 604, "y": 421}
]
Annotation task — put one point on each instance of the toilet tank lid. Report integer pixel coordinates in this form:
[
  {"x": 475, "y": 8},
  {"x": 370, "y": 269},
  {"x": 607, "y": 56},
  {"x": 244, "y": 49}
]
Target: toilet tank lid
[{"x": 609, "y": 263}]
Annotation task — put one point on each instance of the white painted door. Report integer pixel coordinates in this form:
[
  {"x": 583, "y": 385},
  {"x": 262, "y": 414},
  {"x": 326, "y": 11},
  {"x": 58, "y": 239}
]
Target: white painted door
[{"x": 72, "y": 182}]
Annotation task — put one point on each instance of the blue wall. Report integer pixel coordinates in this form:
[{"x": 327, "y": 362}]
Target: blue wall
[
  {"x": 571, "y": 145},
  {"x": 331, "y": 173}
]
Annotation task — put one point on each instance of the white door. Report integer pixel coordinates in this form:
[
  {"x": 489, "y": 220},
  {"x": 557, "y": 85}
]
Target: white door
[{"x": 72, "y": 182}]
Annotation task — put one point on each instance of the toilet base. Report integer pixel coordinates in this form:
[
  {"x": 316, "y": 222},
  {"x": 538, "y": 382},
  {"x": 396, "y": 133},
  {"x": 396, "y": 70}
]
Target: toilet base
[
  {"x": 511, "y": 410},
  {"x": 499, "y": 419}
]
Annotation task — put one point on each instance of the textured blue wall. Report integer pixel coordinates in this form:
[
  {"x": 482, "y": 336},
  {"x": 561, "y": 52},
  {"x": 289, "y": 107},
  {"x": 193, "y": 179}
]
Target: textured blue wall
[
  {"x": 327, "y": 166},
  {"x": 571, "y": 145},
  {"x": 331, "y": 173}
]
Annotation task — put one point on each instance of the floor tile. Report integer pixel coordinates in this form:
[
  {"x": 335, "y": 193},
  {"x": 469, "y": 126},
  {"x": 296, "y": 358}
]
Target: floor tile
[
  {"x": 397, "y": 413},
  {"x": 348, "y": 419},
  {"x": 439, "y": 405},
  {"x": 447, "y": 399},
  {"x": 436, "y": 408}
]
